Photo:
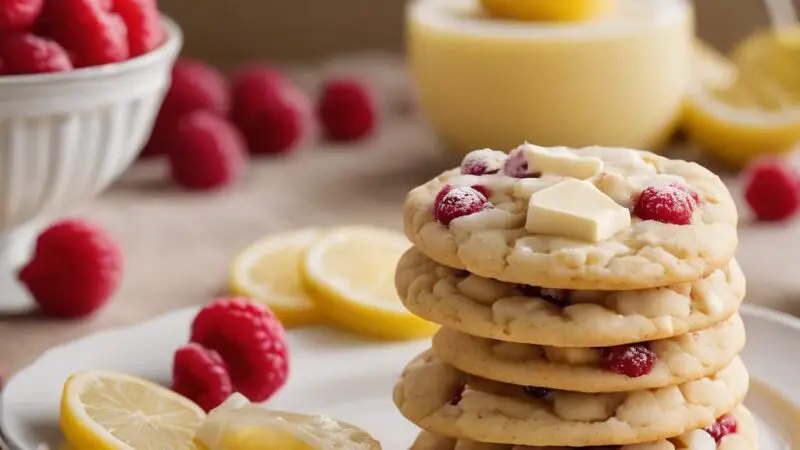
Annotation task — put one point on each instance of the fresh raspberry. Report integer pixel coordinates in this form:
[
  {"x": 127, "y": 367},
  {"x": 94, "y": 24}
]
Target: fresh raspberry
[
  {"x": 252, "y": 86},
  {"x": 196, "y": 86},
  {"x": 517, "y": 166},
  {"x": 724, "y": 426},
  {"x": 250, "y": 340},
  {"x": 347, "y": 109},
  {"x": 277, "y": 127},
  {"x": 772, "y": 190},
  {"x": 16, "y": 15},
  {"x": 201, "y": 375},
  {"x": 93, "y": 35},
  {"x": 75, "y": 269},
  {"x": 454, "y": 202},
  {"x": 537, "y": 392},
  {"x": 145, "y": 31},
  {"x": 477, "y": 163},
  {"x": 558, "y": 297},
  {"x": 630, "y": 360},
  {"x": 206, "y": 152},
  {"x": 672, "y": 203},
  {"x": 28, "y": 53}
]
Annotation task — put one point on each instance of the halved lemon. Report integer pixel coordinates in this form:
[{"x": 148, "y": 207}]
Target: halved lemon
[
  {"x": 103, "y": 410},
  {"x": 350, "y": 275},
  {"x": 740, "y": 109},
  {"x": 238, "y": 424},
  {"x": 267, "y": 271},
  {"x": 548, "y": 10}
]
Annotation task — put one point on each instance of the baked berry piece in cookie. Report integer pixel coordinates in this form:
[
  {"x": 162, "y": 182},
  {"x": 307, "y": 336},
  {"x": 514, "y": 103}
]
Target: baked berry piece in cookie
[{"x": 591, "y": 218}]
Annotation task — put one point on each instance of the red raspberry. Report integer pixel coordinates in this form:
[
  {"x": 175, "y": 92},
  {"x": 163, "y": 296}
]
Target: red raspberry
[
  {"x": 633, "y": 361},
  {"x": 206, "y": 152},
  {"x": 517, "y": 166},
  {"x": 28, "y": 53},
  {"x": 477, "y": 163},
  {"x": 93, "y": 35},
  {"x": 672, "y": 203},
  {"x": 557, "y": 297},
  {"x": 19, "y": 14},
  {"x": 454, "y": 202},
  {"x": 278, "y": 125},
  {"x": 75, "y": 269},
  {"x": 143, "y": 21},
  {"x": 724, "y": 426},
  {"x": 251, "y": 85},
  {"x": 250, "y": 340},
  {"x": 347, "y": 109},
  {"x": 772, "y": 190},
  {"x": 201, "y": 375}
]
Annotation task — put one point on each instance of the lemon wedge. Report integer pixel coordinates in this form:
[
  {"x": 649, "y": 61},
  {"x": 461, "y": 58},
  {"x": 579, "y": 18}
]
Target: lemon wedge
[
  {"x": 103, "y": 410},
  {"x": 548, "y": 10},
  {"x": 267, "y": 271},
  {"x": 350, "y": 274},
  {"x": 741, "y": 108},
  {"x": 238, "y": 424}
]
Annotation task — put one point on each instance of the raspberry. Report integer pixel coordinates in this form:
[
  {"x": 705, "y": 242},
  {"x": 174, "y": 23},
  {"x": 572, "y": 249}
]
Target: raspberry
[
  {"x": 206, "y": 152},
  {"x": 558, "y": 297},
  {"x": 19, "y": 14},
  {"x": 347, "y": 109},
  {"x": 724, "y": 426},
  {"x": 478, "y": 163},
  {"x": 457, "y": 395},
  {"x": 517, "y": 166},
  {"x": 672, "y": 203},
  {"x": 28, "y": 53},
  {"x": 143, "y": 21},
  {"x": 201, "y": 375},
  {"x": 772, "y": 190},
  {"x": 195, "y": 86},
  {"x": 253, "y": 85},
  {"x": 537, "y": 392},
  {"x": 74, "y": 270},
  {"x": 276, "y": 127},
  {"x": 630, "y": 360},
  {"x": 250, "y": 340},
  {"x": 93, "y": 35},
  {"x": 454, "y": 202}
]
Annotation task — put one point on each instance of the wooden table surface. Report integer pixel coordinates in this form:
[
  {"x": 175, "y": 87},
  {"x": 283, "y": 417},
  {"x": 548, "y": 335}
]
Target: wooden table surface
[{"x": 178, "y": 245}]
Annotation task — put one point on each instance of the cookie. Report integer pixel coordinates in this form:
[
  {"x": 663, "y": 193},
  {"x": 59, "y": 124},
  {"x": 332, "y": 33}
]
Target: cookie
[
  {"x": 573, "y": 234},
  {"x": 441, "y": 399},
  {"x": 655, "y": 364},
  {"x": 745, "y": 438},
  {"x": 520, "y": 313}
]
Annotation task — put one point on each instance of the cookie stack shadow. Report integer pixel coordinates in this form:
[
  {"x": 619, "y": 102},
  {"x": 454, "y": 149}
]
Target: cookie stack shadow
[{"x": 565, "y": 361}]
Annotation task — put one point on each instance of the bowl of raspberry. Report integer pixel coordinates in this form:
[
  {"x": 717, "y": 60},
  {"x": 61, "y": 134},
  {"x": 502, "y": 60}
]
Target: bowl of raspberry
[{"x": 81, "y": 82}]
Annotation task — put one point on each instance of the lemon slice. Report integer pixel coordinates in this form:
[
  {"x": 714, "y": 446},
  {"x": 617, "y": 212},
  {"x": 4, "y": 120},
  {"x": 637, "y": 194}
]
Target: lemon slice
[
  {"x": 111, "y": 411},
  {"x": 267, "y": 271},
  {"x": 238, "y": 424},
  {"x": 738, "y": 110},
  {"x": 548, "y": 10},
  {"x": 350, "y": 274}
]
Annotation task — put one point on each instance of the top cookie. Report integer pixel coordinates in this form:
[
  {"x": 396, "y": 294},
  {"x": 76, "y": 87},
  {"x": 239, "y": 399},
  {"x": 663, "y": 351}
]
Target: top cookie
[{"x": 593, "y": 218}]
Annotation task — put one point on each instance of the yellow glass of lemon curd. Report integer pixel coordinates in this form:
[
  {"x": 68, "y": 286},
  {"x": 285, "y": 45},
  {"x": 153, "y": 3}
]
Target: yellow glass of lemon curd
[{"x": 618, "y": 79}]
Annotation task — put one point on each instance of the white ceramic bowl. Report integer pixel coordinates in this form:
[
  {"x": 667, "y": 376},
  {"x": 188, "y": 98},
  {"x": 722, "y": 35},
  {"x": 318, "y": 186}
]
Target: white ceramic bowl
[{"x": 64, "y": 137}]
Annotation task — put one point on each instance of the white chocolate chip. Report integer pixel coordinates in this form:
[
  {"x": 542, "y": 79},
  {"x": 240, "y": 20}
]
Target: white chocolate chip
[
  {"x": 485, "y": 290},
  {"x": 561, "y": 161},
  {"x": 572, "y": 355},
  {"x": 710, "y": 303},
  {"x": 697, "y": 440},
  {"x": 579, "y": 407},
  {"x": 575, "y": 209}
]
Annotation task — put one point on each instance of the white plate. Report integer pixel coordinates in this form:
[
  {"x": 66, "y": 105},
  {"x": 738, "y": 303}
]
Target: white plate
[{"x": 351, "y": 379}]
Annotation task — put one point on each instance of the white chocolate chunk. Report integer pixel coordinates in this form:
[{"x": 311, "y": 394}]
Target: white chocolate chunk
[
  {"x": 572, "y": 355},
  {"x": 581, "y": 407},
  {"x": 561, "y": 161},
  {"x": 711, "y": 303},
  {"x": 575, "y": 209},
  {"x": 697, "y": 440}
]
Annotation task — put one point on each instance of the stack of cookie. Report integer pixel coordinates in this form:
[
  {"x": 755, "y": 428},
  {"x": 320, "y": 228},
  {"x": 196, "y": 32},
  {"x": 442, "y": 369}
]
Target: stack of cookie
[{"x": 587, "y": 298}]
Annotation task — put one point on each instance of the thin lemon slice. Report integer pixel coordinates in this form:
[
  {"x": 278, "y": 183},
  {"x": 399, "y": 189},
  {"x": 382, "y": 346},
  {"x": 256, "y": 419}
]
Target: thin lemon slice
[
  {"x": 350, "y": 274},
  {"x": 267, "y": 271},
  {"x": 738, "y": 113},
  {"x": 548, "y": 10},
  {"x": 103, "y": 410},
  {"x": 238, "y": 424}
]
